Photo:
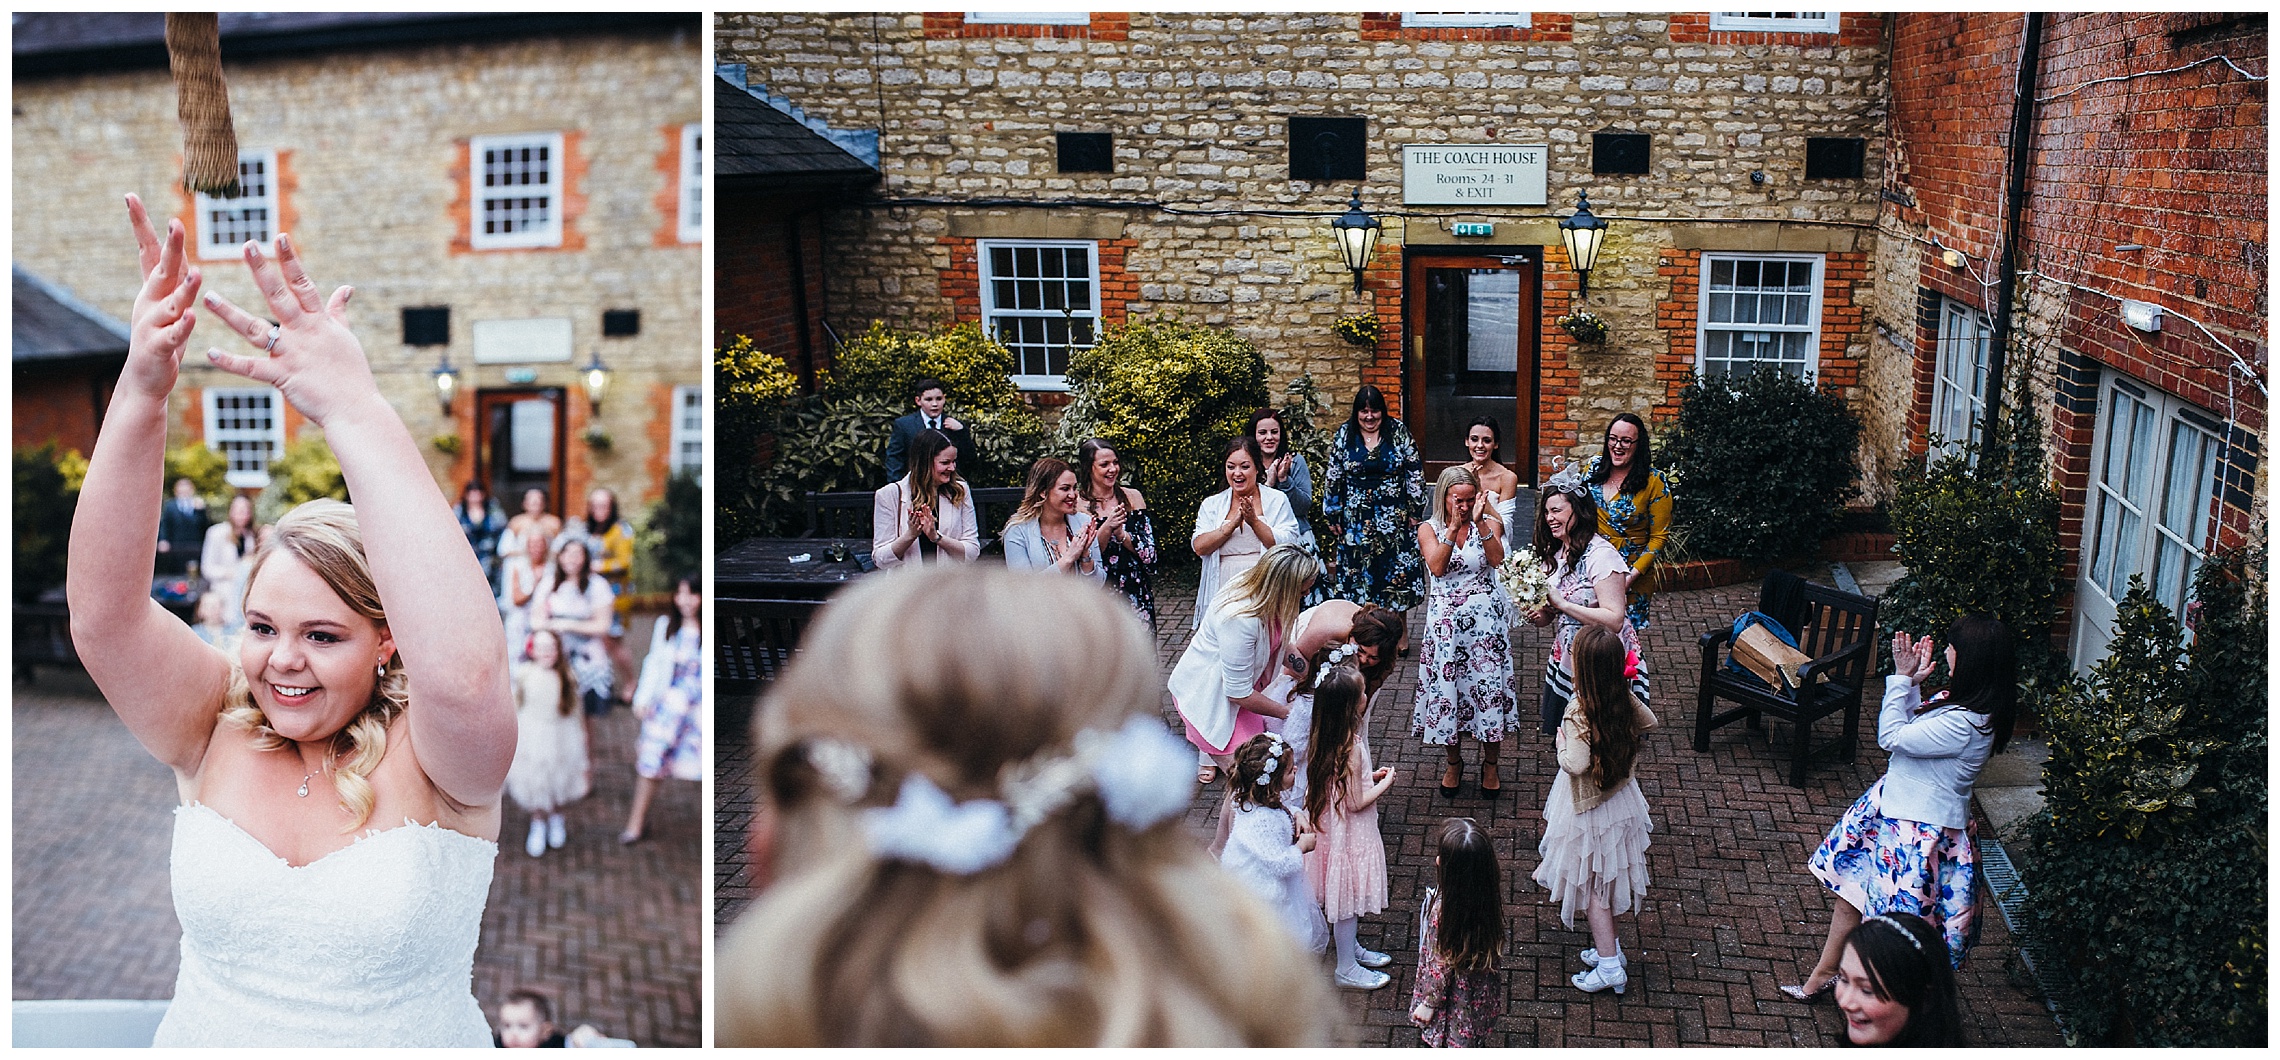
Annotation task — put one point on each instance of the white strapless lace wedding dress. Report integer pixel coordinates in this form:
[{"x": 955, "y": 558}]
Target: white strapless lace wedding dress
[{"x": 372, "y": 944}]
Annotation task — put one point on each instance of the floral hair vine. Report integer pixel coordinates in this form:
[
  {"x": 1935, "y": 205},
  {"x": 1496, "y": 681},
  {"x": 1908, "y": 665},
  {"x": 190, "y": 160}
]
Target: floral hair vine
[
  {"x": 1143, "y": 775},
  {"x": 1339, "y": 654},
  {"x": 1275, "y": 749}
]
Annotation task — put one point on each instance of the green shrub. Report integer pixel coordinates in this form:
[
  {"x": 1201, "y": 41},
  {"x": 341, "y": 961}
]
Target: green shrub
[
  {"x": 305, "y": 471},
  {"x": 1978, "y": 531},
  {"x": 777, "y": 445},
  {"x": 1167, "y": 395},
  {"x": 47, "y": 491},
  {"x": 1762, "y": 464},
  {"x": 207, "y": 469},
  {"x": 670, "y": 542},
  {"x": 2146, "y": 868}
]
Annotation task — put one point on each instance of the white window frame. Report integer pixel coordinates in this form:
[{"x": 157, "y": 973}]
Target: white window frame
[
  {"x": 1775, "y": 22},
  {"x": 1703, "y": 324},
  {"x": 2128, "y": 525},
  {"x": 218, "y": 436},
  {"x": 547, "y": 233},
  {"x": 992, "y": 312},
  {"x": 692, "y": 212},
  {"x": 688, "y": 437},
  {"x": 1959, "y": 391},
  {"x": 1465, "y": 19},
  {"x": 1029, "y": 18},
  {"x": 205, "y": 205}
]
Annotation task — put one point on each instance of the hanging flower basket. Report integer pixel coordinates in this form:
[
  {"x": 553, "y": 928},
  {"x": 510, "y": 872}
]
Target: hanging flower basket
[
  {"x": 447, "y": 444},
  {"x": 1584, "y": 326},
  {"x": 1361, "y": 329},
  {"x": 598, "y": 439}
]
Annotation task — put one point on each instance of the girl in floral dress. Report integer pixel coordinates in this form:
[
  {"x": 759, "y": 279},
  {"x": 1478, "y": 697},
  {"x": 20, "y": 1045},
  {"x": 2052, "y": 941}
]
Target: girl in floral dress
[
  {"x": 1587, "y": 587},
  {"x": 1460, "y": 934},
  {"x": 669, "y": 699},
  {"x": 1373, "y": 494},
  {"x": 1907, "y": 845},
  {"x": 1464, "y": 675},
  {"x": 1634, "y": 506}
]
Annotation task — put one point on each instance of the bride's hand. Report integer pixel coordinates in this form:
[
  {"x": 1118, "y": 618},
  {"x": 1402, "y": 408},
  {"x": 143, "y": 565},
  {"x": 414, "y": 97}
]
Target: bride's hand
[
  {"x": 163, "y": 314},
  {"x": 315, "y": 361}
]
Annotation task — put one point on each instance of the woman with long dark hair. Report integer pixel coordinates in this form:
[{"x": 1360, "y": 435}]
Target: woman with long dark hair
[
  {"x": 927, "y": 516},
  {"x": 1127, "y": 533},
  {"x": 1895, "y": 986},
  {"x": 1908, "y": 844},
  {"x": 1587, "y": 590},
  {"x": 1373, "y": 494},
  {"x": 670, "y": 700},
  {"x": 1634, "y": 506},
  {"x": 1284, "y": 468},
  {"x": 1499, "y": 485}
]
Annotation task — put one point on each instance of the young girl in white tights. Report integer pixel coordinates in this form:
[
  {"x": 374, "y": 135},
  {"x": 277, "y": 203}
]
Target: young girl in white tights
[
  {"x": 1347, "y": 865},
  {"x": 1265, "y": 849},
  {"x": 550, "y": 768}
]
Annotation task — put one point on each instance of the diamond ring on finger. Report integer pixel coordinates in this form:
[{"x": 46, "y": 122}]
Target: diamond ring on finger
[{"x": 275, "y": 330}]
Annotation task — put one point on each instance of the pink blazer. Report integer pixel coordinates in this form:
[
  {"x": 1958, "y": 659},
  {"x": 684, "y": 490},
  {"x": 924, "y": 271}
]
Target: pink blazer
[{"x": 957, "y": 525}]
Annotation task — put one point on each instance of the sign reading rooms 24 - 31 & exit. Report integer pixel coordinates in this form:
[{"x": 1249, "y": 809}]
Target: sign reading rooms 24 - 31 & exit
[{"x": 1473, "y": 174}]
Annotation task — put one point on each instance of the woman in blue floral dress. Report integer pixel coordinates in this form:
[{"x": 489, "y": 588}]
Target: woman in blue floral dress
[
  {"x": 1907, "y": 845},
  {"x": 1464, "y": 675},
  {"x": 1373, "y": 494},
  {"x": 1634, "y": 506}
]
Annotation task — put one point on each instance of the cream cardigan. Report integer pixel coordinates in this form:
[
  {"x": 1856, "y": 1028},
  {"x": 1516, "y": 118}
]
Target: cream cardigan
[{"x": 1575, "y": 753}]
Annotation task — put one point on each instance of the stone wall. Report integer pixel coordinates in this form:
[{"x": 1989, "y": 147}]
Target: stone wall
[
  {"x": 374, "y": 145},
  {"x": 1198, "y": 106}
]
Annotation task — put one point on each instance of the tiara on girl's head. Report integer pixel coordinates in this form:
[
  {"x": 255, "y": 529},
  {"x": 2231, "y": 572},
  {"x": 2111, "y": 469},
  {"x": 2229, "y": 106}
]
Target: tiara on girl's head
[
  {"x": 1904, "y": 932},
  {"x": 1142, "y": 774},
  {"x": 1339, "y": 654}
]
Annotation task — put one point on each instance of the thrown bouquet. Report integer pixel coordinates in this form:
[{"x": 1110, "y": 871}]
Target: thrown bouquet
[{"x": 1527, "y": 578}]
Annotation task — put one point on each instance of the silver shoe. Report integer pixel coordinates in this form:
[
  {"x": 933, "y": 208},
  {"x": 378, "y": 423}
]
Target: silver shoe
[
  {"x": 1362, "y": 979},
  {"x": 1605, "y": 975},
  {"x": 1369, "y": 958}
]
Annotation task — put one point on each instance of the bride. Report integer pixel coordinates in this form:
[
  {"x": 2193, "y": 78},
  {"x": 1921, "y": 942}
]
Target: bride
[{"x": 340, "y": 773}]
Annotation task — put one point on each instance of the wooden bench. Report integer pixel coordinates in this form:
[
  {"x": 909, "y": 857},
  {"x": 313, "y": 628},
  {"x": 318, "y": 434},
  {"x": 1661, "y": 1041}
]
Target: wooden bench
[
  {"x": 1838, "y": 630},
  {"x": 756, "y": 641}
]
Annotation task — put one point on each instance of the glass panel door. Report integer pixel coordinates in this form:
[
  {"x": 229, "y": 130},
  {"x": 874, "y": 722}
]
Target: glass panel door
[
  {"x": 1473, "y": 345},
  {"x": 520, "y": 447},
  {"x": 2149, "y": 446}
]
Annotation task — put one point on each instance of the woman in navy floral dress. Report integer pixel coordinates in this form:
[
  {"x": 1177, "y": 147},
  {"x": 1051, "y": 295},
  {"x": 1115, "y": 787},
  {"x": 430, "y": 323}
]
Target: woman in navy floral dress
[
  {"x": 1373, "y": 494},
  {"x": 1128, "y": 538}
]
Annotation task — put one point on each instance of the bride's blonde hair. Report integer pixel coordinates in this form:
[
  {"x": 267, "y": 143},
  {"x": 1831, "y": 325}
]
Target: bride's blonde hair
[
  {"x": 323, "y": 535},
  {"x": 1088, "y": 934}
]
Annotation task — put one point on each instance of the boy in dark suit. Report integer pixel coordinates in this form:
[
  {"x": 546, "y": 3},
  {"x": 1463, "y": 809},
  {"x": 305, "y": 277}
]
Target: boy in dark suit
[
  {"x": 932, "y": 398},
  {"x": 181, "y": 528}
]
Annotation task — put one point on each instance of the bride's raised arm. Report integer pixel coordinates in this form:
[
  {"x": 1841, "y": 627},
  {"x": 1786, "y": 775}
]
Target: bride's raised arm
[
  {"x": 440, "y": 609},
  {"x": 165, "y": 683}
]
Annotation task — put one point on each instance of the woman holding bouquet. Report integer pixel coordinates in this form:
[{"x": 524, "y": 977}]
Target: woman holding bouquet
[
  {"x": 1464, "y": 677},
  {"x": 1588, "y": 577}
]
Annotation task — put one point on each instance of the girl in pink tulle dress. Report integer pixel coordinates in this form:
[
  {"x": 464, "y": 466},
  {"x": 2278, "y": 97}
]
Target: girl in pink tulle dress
[{"x": 1347, "y": 865}]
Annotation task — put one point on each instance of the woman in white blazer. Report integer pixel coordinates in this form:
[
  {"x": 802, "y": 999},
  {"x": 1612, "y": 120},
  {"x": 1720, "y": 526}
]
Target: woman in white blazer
[
  {"x": 928, "y": 515},
  {"x": 1906, "y": 845},
  {"x": 1224, "y": 683},
  {"x": 1237, "y": 525}
]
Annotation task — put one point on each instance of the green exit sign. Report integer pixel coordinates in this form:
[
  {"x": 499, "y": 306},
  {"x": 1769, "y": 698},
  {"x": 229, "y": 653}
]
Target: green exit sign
[{"x": 1474, "y": 228}]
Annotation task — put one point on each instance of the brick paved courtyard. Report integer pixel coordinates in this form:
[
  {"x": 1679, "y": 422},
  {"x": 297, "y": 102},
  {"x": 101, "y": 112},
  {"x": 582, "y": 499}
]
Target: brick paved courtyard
[
  {"x": 613, "y": 934},
  {"x": 1730, "y": 911}
]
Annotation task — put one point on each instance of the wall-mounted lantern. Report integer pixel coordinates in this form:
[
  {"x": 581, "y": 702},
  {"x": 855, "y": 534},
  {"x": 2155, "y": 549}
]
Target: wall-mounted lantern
[
  {"x": 597, "y": 382},
  {"x": 446, "y": 382},
  {"x": 1357, "y": 233},
  {"x": 1583, "y": 234}
]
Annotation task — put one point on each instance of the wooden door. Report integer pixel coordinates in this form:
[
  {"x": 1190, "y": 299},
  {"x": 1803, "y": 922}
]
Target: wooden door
[
  {"x": 1473, "y": 352},
  {"x": 519, "y": 444}
]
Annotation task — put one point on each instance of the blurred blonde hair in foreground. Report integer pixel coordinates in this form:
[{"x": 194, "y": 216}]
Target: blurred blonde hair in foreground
[{"x": 1088, "y": 934}]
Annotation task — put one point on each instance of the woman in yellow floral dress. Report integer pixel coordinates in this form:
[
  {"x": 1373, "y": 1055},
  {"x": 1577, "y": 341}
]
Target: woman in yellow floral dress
[{"x": 1634, "y": 505}]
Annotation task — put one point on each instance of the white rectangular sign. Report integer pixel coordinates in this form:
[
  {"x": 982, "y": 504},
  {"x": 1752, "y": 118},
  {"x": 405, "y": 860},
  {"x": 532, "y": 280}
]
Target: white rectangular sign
[
  {"x": 522, "y": 341},
  {"x": 1473, "y": 174}
]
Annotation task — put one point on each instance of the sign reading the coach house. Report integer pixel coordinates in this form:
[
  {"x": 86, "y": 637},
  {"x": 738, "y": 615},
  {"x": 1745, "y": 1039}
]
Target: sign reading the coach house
[{"x": 1473, "y": 174}]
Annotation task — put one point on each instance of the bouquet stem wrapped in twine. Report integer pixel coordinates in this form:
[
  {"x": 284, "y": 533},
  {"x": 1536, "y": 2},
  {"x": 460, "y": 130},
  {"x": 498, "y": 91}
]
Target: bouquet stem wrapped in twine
[{"x": 202, "y": 103}]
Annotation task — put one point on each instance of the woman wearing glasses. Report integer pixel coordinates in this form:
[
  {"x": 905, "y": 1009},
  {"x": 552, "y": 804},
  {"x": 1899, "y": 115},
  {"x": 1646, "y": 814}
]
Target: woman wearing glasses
[{"x": 1634, "y": 507}]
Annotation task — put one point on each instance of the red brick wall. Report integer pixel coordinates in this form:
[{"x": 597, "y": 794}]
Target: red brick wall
[
  {"x": 1559, "y": 384},
  {"x": 753, "y": 279},
  {"x": 1542, "y": 26},
  {"x": 951, "y": 25},
  {"x": 961, "y": 283},
  {"x": 668, "y": 198},
  {"x": 1381, "y": 279},
  {"x": 2176, "y": 162},
  {"x": 1855, "y": 29},
  {"x": 61, "y": 407}
]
